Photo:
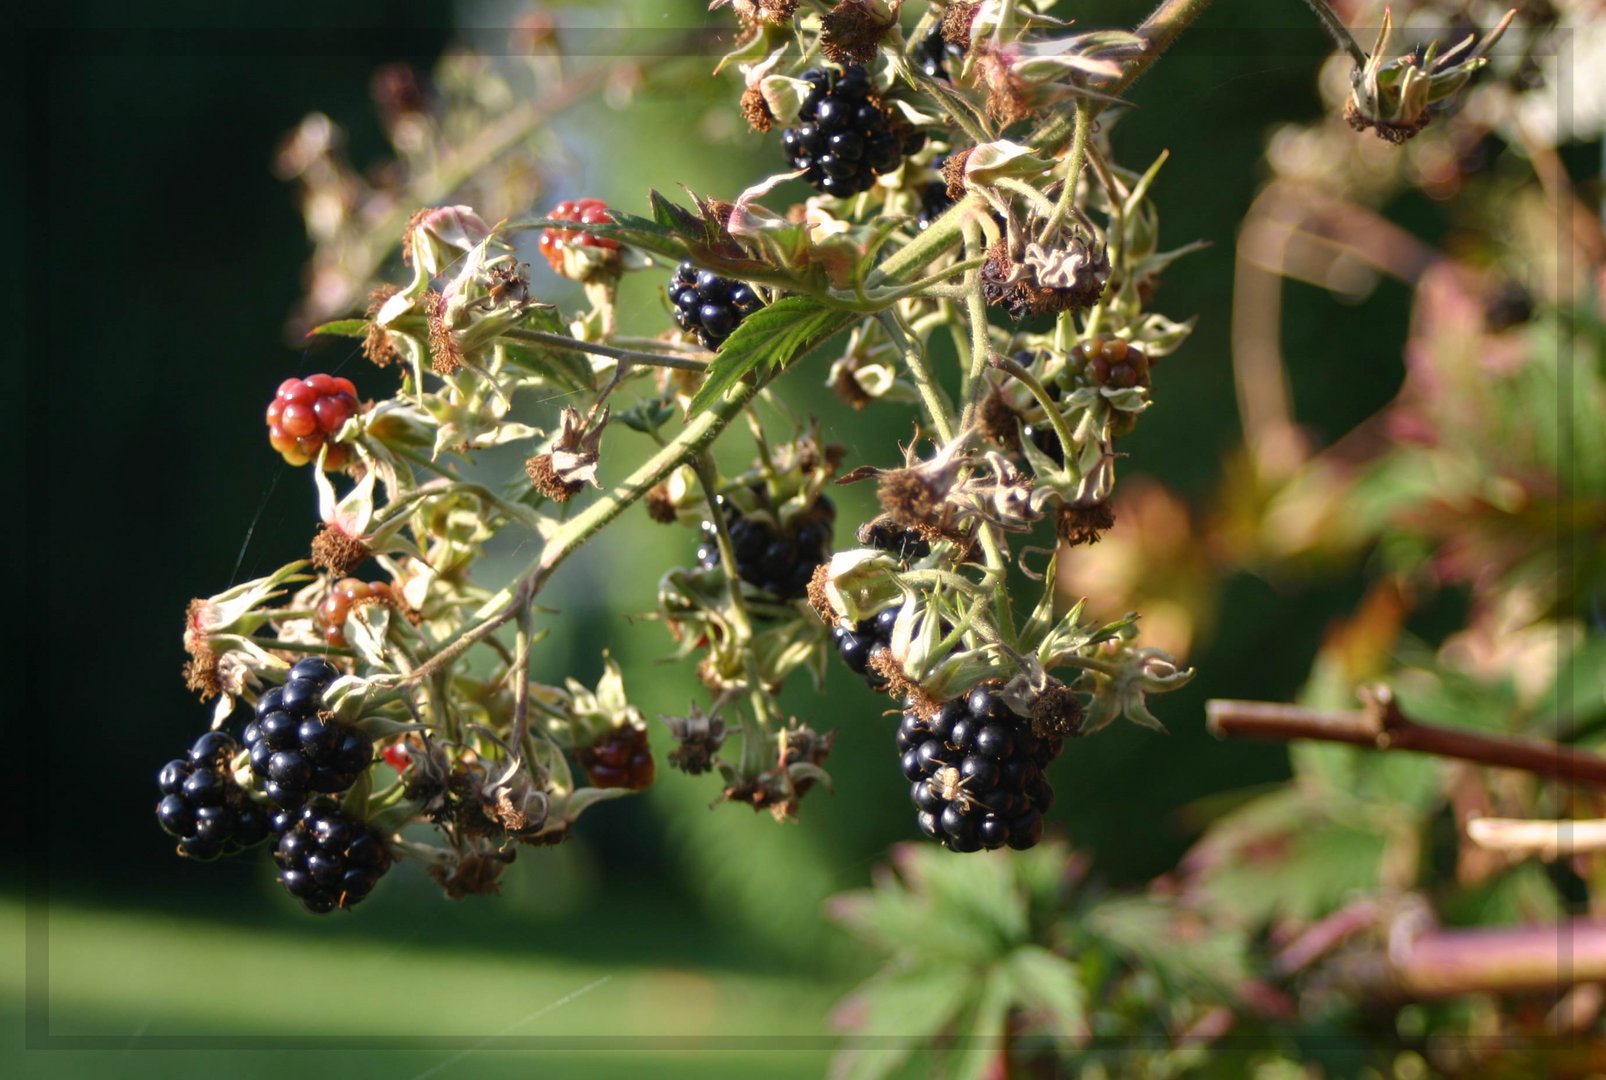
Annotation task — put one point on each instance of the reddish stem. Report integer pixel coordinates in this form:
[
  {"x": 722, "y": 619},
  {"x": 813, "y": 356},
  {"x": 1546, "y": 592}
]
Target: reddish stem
[{"x": 1381, "y": 726}]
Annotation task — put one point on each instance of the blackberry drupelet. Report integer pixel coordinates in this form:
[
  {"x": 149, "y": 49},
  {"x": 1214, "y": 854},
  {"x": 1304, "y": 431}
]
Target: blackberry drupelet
[
  {"x": 845, "y": 138},
  {"x": 859, "y": 645},
  {"x": 202, "y": 805},
  {"x": 776, "y": 561},
  {"x": 328, "y": 859},
  {"x": 708, "y": 305},
  {"x": 976, "y": 774},
  {"x": 295, "y": 750}
]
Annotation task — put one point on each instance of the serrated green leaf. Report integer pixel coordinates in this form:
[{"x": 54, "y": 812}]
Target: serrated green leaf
[
  {"x": 671, "y": 217},
  {"x": 341, "y": 328},
  {"x": 1041, "y": 981},
  {"x": 769, "y": 338},
  {"x": 986, "y": 1028},
  {"x": 902, "y": 1010}
]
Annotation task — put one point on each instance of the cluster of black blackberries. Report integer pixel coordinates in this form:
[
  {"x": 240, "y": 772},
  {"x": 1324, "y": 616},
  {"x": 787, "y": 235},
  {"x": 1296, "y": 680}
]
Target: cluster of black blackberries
[
  {"x": 202, "y": 805},
  {"x": 294, "y": 750},
  {"x": 780, "y": 562},
  {"x": 845, "y": 138},
  {"x": 328, "y": 859},
  {"x": 708, "y": 305},
  {"x": 867, "y": 639},
  {"x": 976, "y": 776}
]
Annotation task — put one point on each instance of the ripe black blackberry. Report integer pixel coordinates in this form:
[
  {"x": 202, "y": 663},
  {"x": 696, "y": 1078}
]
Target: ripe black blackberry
[
  {"x": 294, "y": 750},
  {"x": 328, "y": 859},
  {"x": 932, "y": 54},
  {"x": 976, "y": 774},
  {"x": 708, "y": 305},
  {"x": 845, "y": 138},
  {"x": 776, "y": 561},
  {"x": 886, "y": 535},
  {"x": 202, "y": 805},
  {"x": 868, "y": 638}
]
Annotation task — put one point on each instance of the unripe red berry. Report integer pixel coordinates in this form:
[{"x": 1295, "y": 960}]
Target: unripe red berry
[
  {"x": 306, "y": 413},
  {"x": 338, "y": 604},
  {"x": 584, "y": 211}
]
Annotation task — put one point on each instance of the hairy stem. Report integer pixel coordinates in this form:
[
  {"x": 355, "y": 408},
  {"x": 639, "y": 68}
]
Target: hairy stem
[
  {"x": 634, "y": 356},
  {"x": 698, "y": 434}
]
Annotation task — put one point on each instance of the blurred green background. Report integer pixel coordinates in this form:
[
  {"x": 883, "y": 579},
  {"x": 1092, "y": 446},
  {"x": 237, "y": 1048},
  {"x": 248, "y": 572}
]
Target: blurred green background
[{"x": 162, "y": 260}]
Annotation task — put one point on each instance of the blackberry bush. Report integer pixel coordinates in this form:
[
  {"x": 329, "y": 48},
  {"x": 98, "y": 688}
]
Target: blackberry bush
[{"x": 914, "y": 282}]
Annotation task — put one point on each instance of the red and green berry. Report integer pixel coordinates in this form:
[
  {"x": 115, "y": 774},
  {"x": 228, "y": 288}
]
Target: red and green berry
[{"x": 305, "y": 415}]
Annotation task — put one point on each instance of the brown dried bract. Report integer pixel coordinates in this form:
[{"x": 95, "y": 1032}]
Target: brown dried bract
[
  {"x": 1007, "y": 100},
  {"x": 377, "y": 344},
  {"x": 755, "y": 110},
  {"x": 953, "y": 172},
  {"x": 1015, "y": 287},
  {"x": 846, "y": 387},
  {"x": 851, "y": 31},
  {"x": 998, "y": 420},
  {"x": 1084, "y": 524},
  {"x": 956, "y": 22},
  {"x": 201, "y": 673},
  {"x": 911, "y": 500},
  {"x": 545, "y": 479},
  {"x": 1057, "y": 711},
  {"x": 336, "y": 551},
  {"x": 816, "y": 594},
  {"x": 407, "y": 232},
  {"x": 445, "y": 356},
  {"x": 660, "y": 507},
  {"x": 472, "y": 875},
  {"x": 1395, "y": 133},
  {"x": 900, "y": 686}
]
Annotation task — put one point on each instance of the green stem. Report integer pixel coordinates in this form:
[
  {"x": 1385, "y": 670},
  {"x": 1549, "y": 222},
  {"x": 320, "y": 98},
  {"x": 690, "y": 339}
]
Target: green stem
[
  {"x": 561, "y": 341},
  {"x": 938, "y": 412},
  {"x": 698, "y": 434},
  {"x": 980, "y": 347},
  {"x": 1337, "y": 31},
  {"x": 1073, "y": 174},
  {"x": 754, "y": 728},
  {"x": 1040, "y": 392}
]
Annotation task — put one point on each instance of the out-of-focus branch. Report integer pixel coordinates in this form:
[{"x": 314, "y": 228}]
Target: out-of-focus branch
[
  {"x": 1436, "y": 963},
  {"x": 1547, "y": 839},
  {"x": 1381, "y": 726}
]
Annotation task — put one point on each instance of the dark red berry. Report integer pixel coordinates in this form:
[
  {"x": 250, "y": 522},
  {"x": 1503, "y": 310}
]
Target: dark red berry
[{"x": 620, "y": 759}]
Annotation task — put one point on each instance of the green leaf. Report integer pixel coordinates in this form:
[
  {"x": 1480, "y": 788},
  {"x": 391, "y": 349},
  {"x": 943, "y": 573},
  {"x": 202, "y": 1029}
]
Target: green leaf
[
  {"x": 768, "y": 338},
  {"x": 901, "y": 1011},
  {"x": 341, "y": 328},
  {"x": 1043, "y": 982},
  {"x": 986, "y": 1028}
]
